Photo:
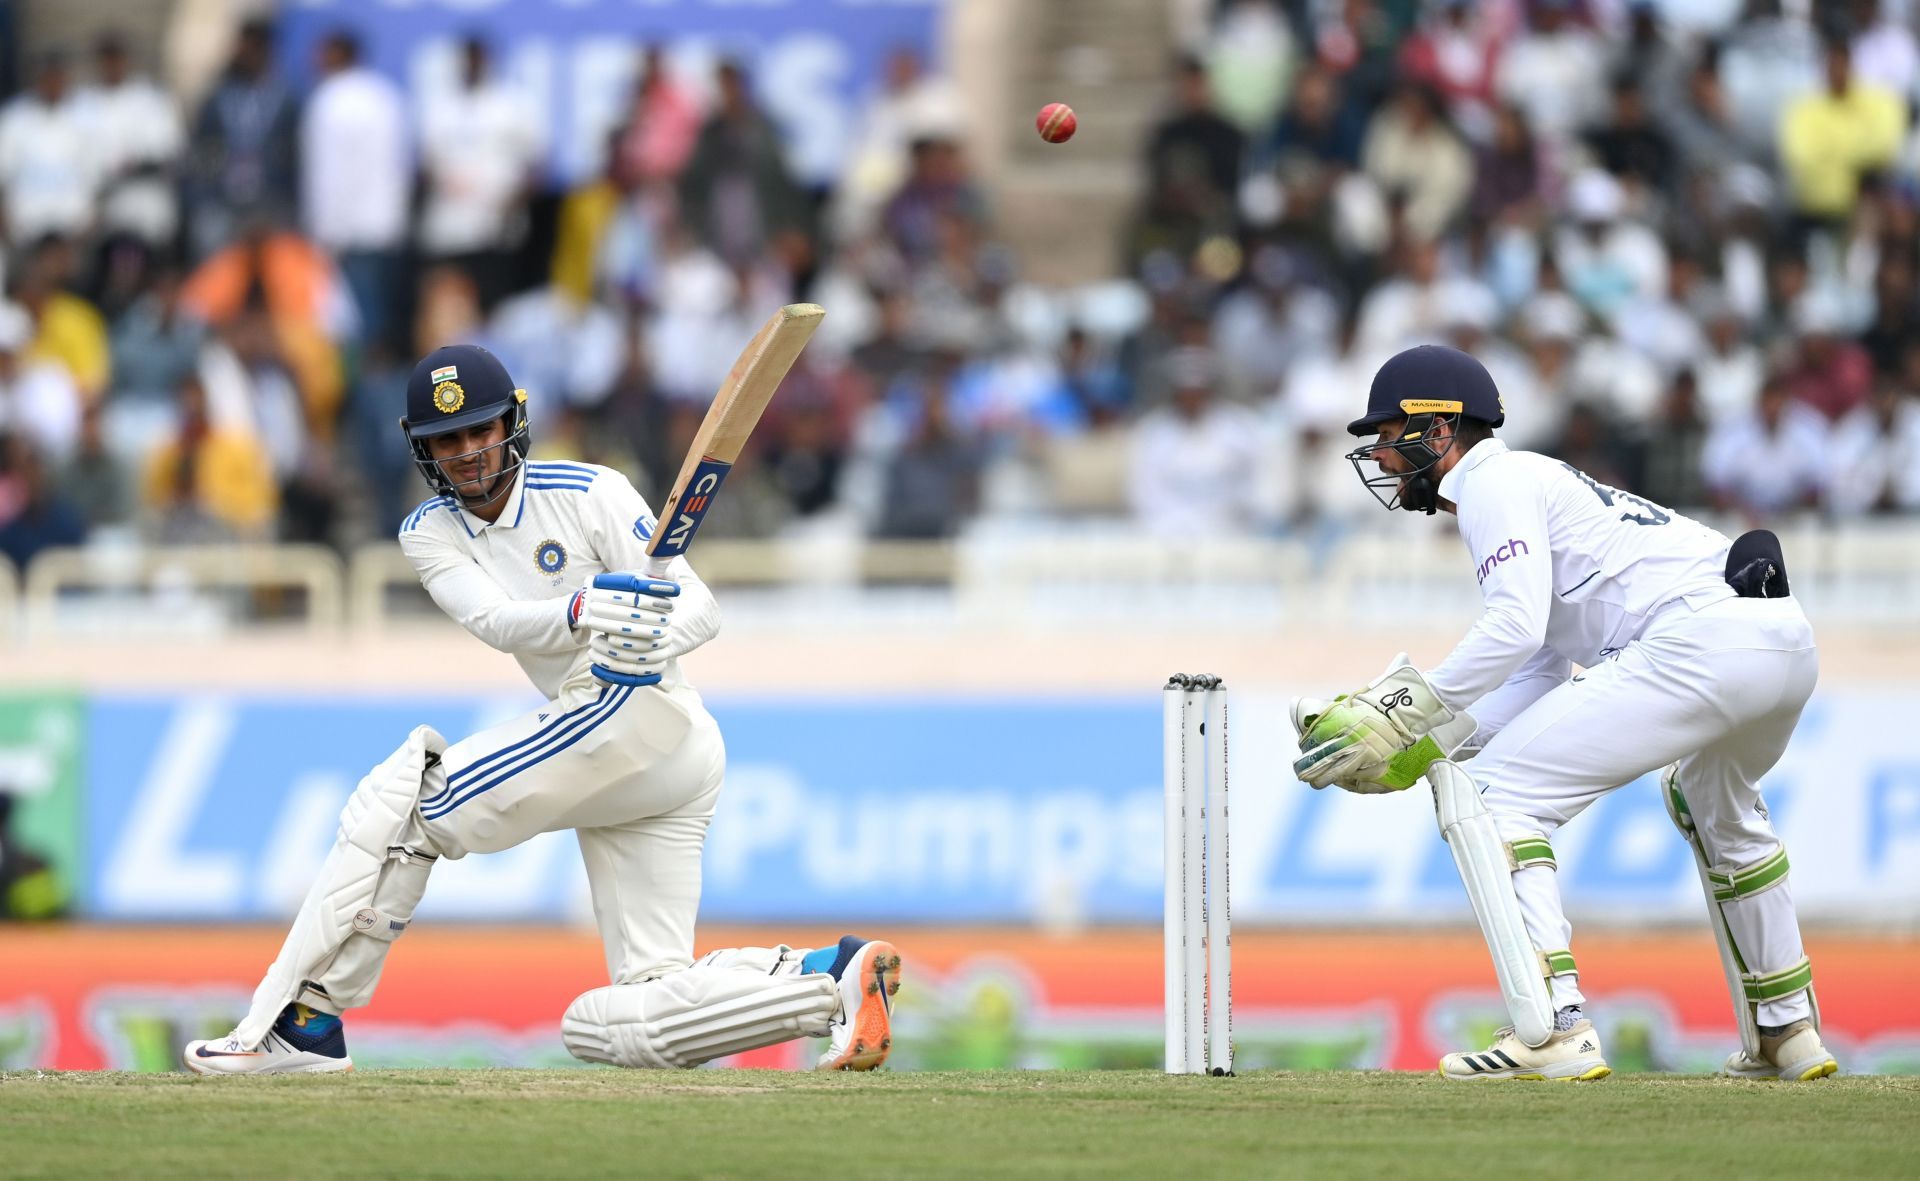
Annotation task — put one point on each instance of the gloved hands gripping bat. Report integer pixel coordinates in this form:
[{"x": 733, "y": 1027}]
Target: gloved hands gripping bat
[
  {"x": 629, "y": 620},
  {"x": 1379, "y": 738}
]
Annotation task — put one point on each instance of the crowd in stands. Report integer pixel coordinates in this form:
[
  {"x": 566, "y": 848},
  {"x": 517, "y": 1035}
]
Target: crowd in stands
[{"x": 1685, "y": 238}]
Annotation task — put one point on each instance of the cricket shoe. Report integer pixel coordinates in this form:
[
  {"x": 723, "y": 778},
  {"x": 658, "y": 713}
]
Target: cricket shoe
[
  {"x": 869, "y": 975},
  {"x": 1795, "y": 1054},
  {"x": 1570, "y": 1055},
  {"x": 302, "y": 1041}
]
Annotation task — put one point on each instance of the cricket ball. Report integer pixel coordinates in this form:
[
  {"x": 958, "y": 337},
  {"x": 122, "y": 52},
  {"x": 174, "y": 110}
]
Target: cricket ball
[{"x": 1056, "y": 123}]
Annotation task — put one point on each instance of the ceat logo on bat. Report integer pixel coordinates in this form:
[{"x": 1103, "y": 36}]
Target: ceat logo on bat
[
  {"x": 1513, "y": 548},
  {"x": 692, "y": 507}
]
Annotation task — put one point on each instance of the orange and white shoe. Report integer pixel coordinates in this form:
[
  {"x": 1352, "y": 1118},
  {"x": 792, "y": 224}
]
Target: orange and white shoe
[
  {"x": 863, "y": 1032},
  {"x": 1571, "y": 1055}
]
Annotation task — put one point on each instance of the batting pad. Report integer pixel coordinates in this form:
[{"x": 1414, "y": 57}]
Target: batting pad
[
  {"x": 1486, "y": 869},
  {"x": 696, "y": 1015},
  {"x": 378, "y": 816}
]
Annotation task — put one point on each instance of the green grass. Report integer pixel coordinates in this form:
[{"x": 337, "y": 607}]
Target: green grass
[{"x": 470, "y": 1124}]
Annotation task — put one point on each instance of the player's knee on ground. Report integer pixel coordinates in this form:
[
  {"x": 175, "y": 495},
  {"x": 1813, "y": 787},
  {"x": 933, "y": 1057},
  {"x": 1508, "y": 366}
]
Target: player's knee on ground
[{"x": 694, "y": 1016}]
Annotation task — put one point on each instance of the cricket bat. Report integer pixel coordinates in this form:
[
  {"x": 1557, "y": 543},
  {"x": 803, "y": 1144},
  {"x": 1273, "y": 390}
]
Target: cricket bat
[{"x": 750, "y": 384}]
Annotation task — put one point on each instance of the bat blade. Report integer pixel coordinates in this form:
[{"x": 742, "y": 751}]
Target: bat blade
[{"x": 743, "y": 397}]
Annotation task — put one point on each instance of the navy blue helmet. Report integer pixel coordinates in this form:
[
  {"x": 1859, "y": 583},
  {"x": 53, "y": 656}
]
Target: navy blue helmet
[
  {"x": 453, "y": 388},
  {"x": 1422, "y": 385}
]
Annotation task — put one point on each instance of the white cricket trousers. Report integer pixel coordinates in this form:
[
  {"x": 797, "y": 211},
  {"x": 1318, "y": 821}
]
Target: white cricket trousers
[
  {"x": 634, "y": 771},
  {"x": 1717, "y": 689}
]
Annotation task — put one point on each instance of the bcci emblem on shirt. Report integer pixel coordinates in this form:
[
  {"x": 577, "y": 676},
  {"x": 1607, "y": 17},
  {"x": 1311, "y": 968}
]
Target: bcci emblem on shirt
[{"x": 550, "y": 557}]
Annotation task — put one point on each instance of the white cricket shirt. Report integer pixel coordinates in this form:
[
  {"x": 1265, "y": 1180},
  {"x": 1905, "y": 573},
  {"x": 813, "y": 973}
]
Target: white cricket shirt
[
  {"x": 1566, "y": 565},
  {"x": 511, "y": 582}
]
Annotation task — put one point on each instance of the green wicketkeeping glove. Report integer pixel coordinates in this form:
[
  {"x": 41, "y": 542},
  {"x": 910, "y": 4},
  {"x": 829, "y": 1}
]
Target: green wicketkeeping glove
[{"x": 1381, "y": 738}]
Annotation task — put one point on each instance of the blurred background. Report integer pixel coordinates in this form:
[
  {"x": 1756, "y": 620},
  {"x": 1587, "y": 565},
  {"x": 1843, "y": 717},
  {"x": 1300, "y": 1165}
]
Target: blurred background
[{"x": 1074, "y": 422}]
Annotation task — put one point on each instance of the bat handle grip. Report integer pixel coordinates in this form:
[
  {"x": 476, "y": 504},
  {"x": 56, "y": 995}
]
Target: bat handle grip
[{"x": 656, "y": 567}]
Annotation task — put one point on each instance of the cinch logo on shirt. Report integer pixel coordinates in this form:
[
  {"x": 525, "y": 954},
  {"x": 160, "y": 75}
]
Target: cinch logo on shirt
[{"x": 1512, "y": 549}]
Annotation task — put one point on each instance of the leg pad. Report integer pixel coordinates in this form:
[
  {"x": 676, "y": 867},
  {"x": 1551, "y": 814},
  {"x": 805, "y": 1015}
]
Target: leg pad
[{"x": 1486, "y": 865}]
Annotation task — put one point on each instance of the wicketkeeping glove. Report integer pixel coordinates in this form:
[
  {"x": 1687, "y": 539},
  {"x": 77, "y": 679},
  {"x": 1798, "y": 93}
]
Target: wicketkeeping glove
[
  {"x": 1380, "y": 738},
  {"x": 629, "y": 619}
]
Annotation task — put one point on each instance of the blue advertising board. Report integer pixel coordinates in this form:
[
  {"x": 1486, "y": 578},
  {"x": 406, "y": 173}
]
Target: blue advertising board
[{"x": 941, "y": 810}]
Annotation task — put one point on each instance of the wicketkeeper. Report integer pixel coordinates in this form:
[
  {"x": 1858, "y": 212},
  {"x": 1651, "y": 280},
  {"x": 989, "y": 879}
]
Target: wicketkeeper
[
  {"x": 538, "y": 560},
  {"x": 1694, "y": 660}
]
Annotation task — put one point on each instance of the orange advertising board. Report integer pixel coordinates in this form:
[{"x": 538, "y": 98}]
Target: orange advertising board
[{"x": 90, "y": 997}]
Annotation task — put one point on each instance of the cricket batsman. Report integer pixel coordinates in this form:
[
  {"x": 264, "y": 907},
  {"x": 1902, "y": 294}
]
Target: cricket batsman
[
  {"x": 539, "y": 560},
  {"x": 1694, "y": 659}
]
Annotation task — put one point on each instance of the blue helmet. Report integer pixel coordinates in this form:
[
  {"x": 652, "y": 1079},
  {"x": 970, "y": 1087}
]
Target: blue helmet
[
  {"x": 453, "y": 388},
  {"x": 1421, "y": 384}
]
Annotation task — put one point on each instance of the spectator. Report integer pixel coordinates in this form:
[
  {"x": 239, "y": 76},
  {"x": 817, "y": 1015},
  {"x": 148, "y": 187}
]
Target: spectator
[
  {"x": 587, "y": 217},
  {"x": 244, "y": 156},
  {"x": 1249, "y": 59},
  {"x": 68, "y": 330},
  {"x": 1312, "y": 153},
  {"x": 1632, "y": 146},
  {"x": 1650, "y": 56},
  {"x": 1828, "y": 372},
  {"x": 1321, "y": 132},
  {"x": 155, "y": 344},
  {"x": 1091, "y": 379},
  {"x": 1730, "y": 370},
  {"x": 1662, "y": 327},
  {"x": 303, "y": 295},
  {"x": 1414, "y": 307},
  {"x": 932, "y": 483},
  {"x": 1884, "y": 52},
  {"x": 890, "y": 352},
  {"x": 137, "y": 141},
  {"x": 1832, "y": 138},
  {"x": 1767, "y": 461},
  {"x": 34, "y": 516},
  {"x": 1555, "y": 71},
  {"x": 1359, "y": 40},
  {"x": 662, "y": 125},
  {"x": 357, "y": 180},
  {"x": 479, "y": 151},
  {"x": 50, "y": 165},
  {"x": 1268, "y": 322},
  {"x": 40, "y": 406},
  {"x": 1453, "y": 53},
  {"x": 207, "y": 482},
  {"x": 912, "y": 105},
  {"x": 736, "y": 192},
  {"x": 1508, "y": 183},
  {"x": 937, "y": 188},
  {"x": 1700, "y": 125},
  {"x": 95, "y": 480},
  {"x": 1197, "y": 463},
  {"x": 1896, "y": 313},
  {"x": 1419, "y": 162},
  {"x": 1769, "y": 60},
  {"x": 1870, "y": 467},
  {"x": 1671, "y": 465},
  {"x": 1195, "y": 146},
  {"x": 808, "y": 435},
  {"x": 1607, "y": 257}
]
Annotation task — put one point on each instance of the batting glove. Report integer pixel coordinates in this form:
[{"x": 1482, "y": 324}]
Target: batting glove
[{"x": 629, "y": 620}]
